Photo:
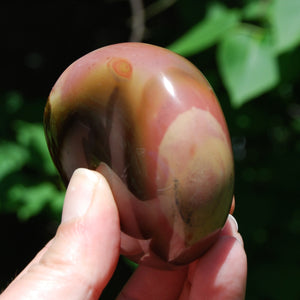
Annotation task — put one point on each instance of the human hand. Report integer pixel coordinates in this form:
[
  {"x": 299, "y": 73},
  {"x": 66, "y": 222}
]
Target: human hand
[
  {"x": 80, "y": 260},
  {"x": 220, "y": 273}
]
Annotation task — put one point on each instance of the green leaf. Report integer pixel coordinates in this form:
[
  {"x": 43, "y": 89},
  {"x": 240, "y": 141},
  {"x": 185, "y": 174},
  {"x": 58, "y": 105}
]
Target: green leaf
[
  {"x": 285, "y": 18},
  {"x": 12, "y": 158},
  {"x": 130, "y": 263},
  {"x": 247, "y": 64},
  {"x": 207, "y": 32},
  {"x": 30, "y": 200},
  {"x": 31, "y": 136},
  {"x": 256, "y": 10}
]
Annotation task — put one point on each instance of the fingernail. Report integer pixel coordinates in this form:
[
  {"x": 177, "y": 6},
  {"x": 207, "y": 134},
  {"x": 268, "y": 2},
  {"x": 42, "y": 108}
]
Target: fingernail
[
  {"x": 79, "y": 194},
  {"x": 234, "y": 221}
]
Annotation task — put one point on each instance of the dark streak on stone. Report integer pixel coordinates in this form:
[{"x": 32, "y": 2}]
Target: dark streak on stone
[
  {"x": 185, "y": 210},
  {"x": 53, "y": 143},
  {"x": 97, "y": 146}
]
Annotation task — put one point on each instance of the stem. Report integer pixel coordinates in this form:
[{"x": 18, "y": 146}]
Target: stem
[{"x": 137, "y": 21}]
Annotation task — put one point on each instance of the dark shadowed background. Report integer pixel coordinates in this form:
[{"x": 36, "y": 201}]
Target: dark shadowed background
[{"x": 248, "y": 50}]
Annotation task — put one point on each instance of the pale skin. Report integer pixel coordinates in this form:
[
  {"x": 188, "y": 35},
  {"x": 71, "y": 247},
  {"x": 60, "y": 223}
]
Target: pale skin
[{"x": 80, "y": 260}]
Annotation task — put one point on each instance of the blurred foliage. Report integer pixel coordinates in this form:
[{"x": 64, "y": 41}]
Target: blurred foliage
[
  {"x": 26, "y": 170},
  {"x": 248, "y": 50},
  {"x": 249, "y": 40}
]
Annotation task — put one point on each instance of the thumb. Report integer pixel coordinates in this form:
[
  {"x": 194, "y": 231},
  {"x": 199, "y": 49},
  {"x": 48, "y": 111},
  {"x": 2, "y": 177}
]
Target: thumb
[{"x": 80, "y": 260}]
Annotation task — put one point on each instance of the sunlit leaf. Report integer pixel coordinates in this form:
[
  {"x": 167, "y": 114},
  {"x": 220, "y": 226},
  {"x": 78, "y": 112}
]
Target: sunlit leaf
[
  {"x": 30, "y": 200},
  {"x": 12, "y": 158},
  {"x": 285, "y": 19},
  {"x": 207, "y": 32},
  {"x": 247, "y": 64},
  {"x": 256, "y": 10},
  {"x": 31, "y": 135}
]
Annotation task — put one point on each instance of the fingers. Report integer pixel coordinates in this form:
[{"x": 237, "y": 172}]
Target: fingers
[
  {"x": 80, "y": 260},
  {"x": 221, "y": 273},
  {"x": 148, "y": 283},
  {"x": 231, "y": 229}
]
